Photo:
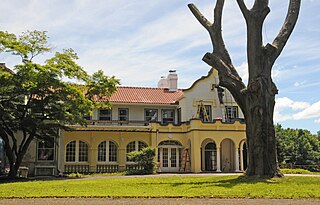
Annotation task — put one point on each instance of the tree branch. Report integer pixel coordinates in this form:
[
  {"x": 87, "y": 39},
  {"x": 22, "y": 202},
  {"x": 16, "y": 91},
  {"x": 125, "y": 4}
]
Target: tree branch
[
  {"x": 220, "y": 58},
  {"x": 201, "y": 18},
  {"x": 287, "y": 28},
  {"x": 214, "y": 29},
  {"x": 243, "y": 8}
]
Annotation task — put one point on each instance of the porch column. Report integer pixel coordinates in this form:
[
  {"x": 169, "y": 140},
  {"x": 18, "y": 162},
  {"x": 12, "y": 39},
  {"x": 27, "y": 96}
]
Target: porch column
[
  {"x": 236, "y": 167},
  {"x": 218, "y": 160},
  {"x": 241, "y": 159}
]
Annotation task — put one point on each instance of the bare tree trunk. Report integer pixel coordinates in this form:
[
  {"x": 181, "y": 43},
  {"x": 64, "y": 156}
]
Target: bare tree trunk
[
  {"x": 261, "y": 135},
  {"x": 257, "y": 99}
]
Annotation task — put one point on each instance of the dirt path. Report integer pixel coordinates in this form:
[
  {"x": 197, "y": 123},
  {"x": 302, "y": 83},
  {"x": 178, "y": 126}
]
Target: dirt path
[{"x": 153, "y": 201}]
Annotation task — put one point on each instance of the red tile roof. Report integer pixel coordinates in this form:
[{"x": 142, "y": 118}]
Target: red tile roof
[{"x": 145, "y": 95}]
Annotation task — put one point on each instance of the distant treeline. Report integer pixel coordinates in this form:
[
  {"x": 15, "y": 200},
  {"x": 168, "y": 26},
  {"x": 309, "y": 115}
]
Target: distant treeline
[{"x": 298, "y": 148}]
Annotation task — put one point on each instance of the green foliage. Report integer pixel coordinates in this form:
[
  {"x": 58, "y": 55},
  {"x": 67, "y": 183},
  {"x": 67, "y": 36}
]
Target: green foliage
[
  {"x": 75, "y": 175},
  {"x": 144, "y": 161},
  {"x": 36, "y": 99},
  {"x": 297, "y": 147},
  {"x": 295, "y": 171}
]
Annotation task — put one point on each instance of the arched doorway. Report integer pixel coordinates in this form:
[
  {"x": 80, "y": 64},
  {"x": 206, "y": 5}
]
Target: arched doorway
[
  {"x": 210, "y": 155},
  {"x": 227, "y": 155},
  {"x": 169, "y": 154},
  {"x": 243, "y": 156}
]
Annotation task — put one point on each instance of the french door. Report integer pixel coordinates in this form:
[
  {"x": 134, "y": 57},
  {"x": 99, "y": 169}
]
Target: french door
[{"x": 169, "y": 159}]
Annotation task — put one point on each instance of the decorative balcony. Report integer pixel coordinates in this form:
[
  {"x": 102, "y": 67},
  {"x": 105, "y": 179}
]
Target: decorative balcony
[{"x": 118, "y": 122}]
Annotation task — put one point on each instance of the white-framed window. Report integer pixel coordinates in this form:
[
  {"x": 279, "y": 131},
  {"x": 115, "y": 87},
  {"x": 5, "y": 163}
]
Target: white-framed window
[
  {"x": 107, "y": 152},
  {"x": 83, "y": 151},
  {"x": 135, "y": 146},
  {"x": 77, "y": 151},
  {"x": 168, "y": 116},
  {"x": 231, "y": 112},
  {"x": 150, "y": 115},
  {"x": 105, "y": 114},
  {"x": 123, "y": 114},
  {"x": 45, "y": 150},
  {"x": 71, "y": 152}
]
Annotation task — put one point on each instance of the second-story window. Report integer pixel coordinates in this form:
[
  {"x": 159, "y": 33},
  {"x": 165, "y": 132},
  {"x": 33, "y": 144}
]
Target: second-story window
[
  {"x": 123, "y": 114},
  {"x": 150, "y": 115},
  {"x": 231, "y": 112},
  {"x": 168, "y": 116},
  {"x": 87, "y": 116},
  {"x": 105, "y": 114},
  {"x": 205, "y": 113}
]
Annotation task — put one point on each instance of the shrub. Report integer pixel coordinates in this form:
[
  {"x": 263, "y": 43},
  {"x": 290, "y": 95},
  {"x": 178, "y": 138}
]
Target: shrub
[{"x": 143, "y": 159}]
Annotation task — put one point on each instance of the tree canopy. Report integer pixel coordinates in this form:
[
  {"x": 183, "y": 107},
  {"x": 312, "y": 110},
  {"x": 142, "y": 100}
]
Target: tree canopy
[
  {"x": 36, "y": 100},
  {"x": 297, "y": 147}
]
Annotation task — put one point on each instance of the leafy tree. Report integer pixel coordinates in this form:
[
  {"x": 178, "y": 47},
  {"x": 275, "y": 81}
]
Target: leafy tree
[
  {"x": 144, "y": 160},
  {"x": 297, "y": 146},
  {"x": 36, "y": 100},
  {"x": 257, "y": 99}
]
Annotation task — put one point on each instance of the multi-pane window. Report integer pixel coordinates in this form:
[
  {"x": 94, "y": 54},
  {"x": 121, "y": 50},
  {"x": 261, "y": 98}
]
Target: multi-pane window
[
  {"x": 205, "y": 113},
  {"x": 113, "y": 151},
  {"x": 71, "y": 152},
  {"x": 77, "y": 151},
  {"x": 135, "y": 146},
  {"x": 141, "y": 145},
  {"x": 123, "y": 114},
  {"x": 83, "y": 152},
  {"x": 105, "y": 114},
  {"x": 102, "y": 152},
  {"x": 46, "y": 149},
  {"x": 151, "y": 115},
  {"x": 231, "y": 112},
  {"x": 168, "y": 116},
  {"x": 87, "y": 116},
  {"x": 110, "y": 148}
]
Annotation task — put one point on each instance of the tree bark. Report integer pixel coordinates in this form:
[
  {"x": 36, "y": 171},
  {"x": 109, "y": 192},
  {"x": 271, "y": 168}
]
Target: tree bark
[{"x": 257, "y": 99}]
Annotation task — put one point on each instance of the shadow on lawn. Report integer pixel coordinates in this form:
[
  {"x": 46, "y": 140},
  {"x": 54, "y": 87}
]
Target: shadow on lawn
[
  {"x": 5, "y": 180},
  {"x": 227, "y": 183}
]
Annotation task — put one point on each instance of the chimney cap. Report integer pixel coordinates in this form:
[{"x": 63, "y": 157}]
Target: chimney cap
[{"x": 172, "y": 71}]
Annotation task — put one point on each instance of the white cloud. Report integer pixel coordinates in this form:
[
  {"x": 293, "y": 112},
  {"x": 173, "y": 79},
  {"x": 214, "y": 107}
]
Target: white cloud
[
  {"x": 297, "y": 110},
  {"x": 286, "y": 103},
  {"x": 312, "y": 111}
]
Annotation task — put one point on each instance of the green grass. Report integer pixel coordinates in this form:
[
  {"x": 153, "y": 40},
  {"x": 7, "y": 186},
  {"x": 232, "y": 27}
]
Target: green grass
[{"x": 213, "y": 186}]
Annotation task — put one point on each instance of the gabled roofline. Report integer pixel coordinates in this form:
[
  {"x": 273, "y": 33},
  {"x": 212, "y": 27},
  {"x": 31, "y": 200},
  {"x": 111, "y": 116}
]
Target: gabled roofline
[{"x": 202, "y": 78}]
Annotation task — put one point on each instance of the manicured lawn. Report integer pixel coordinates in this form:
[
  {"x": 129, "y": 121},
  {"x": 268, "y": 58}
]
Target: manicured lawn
[{"x": 183, "y": 186}]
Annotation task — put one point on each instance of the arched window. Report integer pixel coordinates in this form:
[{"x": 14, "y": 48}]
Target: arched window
[
  {"x": 77, "y": 151},
  {"x": 83, "y": 152},
  {"x": 135, "y": 146},
  {"x": 107, "y": 152},
  {"x": 71, "y": 152}
]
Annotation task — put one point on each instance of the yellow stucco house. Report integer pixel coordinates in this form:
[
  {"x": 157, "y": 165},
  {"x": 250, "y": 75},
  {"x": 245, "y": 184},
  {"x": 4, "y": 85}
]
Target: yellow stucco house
[{"x": 199, "y": 129}]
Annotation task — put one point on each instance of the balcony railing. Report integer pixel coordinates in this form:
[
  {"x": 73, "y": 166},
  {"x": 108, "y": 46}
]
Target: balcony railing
[{"x": 118, "y": 122}]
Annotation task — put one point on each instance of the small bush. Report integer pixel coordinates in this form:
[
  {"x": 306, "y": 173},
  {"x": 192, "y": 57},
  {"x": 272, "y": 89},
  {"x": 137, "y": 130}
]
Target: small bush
[
  {"x": 75, "y": 175},
  {"x": 143, "y": 159},
  {"x": 295, "y": 171}
]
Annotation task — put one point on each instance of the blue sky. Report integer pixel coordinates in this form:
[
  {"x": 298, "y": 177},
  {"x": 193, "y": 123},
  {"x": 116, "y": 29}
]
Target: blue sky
[{"x": 139, "y": 41}]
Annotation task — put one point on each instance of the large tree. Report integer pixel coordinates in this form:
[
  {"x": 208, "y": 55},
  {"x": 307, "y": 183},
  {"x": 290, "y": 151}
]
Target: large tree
[
  {"x": 37, "y": 100},
  {"x": 257, "y": 99}
]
